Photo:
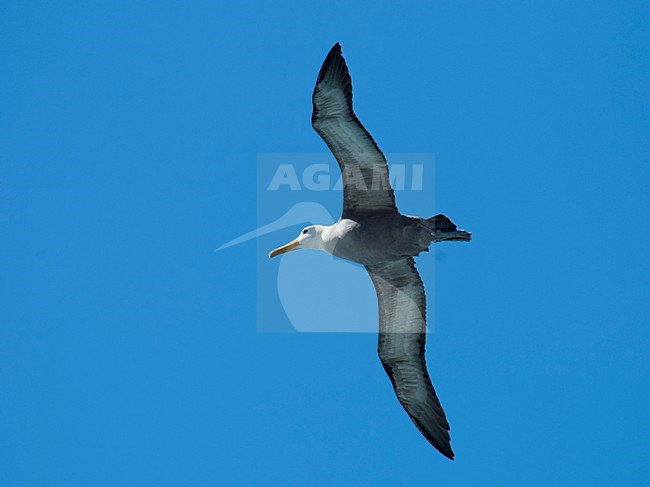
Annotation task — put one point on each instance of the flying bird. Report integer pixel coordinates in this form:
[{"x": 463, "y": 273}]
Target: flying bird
[{"x": 372, "y": 232}]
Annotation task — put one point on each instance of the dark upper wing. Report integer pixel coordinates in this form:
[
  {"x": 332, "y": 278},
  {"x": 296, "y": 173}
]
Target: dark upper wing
[
  {"x": 402, "y": 333},
  {"x": 365, "y": 171}
]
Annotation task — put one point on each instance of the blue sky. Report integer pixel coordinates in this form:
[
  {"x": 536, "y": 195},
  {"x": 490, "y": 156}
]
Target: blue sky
[{"x": 129, "y": 349}]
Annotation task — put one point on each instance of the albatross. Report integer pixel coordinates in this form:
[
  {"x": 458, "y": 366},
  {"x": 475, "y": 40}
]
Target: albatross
[{"x": 372, "y": 232}]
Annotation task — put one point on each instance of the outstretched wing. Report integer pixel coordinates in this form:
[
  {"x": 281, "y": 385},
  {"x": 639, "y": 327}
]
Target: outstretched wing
[
  {"x": 365, "y": 172},
  {"x": 402, "y": 334}
]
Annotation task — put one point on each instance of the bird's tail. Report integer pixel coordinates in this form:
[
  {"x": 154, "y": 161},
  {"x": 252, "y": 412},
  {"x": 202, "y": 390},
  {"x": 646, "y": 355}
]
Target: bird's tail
[{"x": 442, "y": 228}]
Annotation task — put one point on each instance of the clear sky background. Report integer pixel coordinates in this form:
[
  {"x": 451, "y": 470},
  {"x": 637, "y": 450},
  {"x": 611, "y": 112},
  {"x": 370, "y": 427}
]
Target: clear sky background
[{"x": 129, "y": 352}]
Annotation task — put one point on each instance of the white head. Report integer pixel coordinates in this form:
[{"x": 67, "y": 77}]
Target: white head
[{"x": 309, "y": 238}]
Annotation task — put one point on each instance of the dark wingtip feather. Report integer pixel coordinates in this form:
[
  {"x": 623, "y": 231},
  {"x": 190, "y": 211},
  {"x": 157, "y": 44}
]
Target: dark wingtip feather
[
  {"x": 333, "y": 73},
  {"x": 442, "y": 444},
  {"x": 334, "y": 53},
  {"x": 448, "y": 453},
  {"x": 333, "y": 66}
]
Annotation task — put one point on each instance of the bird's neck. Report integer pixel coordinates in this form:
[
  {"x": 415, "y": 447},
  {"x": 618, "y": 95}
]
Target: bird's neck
[{"x": 329, "y": 238}]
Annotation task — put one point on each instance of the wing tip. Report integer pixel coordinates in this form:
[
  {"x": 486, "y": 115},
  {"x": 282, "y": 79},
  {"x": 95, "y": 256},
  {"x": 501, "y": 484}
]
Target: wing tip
[
  {"x": 334, "y": 64},
  {"x": 336, "y": 49},
  {"x": 443, "y": 445},
  {"x": 447, "y": 453},
  {"x": 334, "y": 74}
]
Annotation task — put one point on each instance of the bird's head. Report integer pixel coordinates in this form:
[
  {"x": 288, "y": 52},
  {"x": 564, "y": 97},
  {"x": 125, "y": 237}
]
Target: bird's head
[{"x": 309, "y": 238}]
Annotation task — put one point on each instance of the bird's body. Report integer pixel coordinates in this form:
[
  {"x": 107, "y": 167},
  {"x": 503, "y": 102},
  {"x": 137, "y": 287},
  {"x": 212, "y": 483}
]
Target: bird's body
[
  {"x": 372, "y": 232},
  {"x": 363, "y": 240},
  {"x": 378, "y": 238}
]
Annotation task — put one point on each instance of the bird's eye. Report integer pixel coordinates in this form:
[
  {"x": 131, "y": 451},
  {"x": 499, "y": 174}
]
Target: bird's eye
[{"x": 305, "y": 231}]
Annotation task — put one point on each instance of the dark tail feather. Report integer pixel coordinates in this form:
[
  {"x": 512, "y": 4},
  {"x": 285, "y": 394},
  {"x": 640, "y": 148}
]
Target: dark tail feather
[
  {"x": 440, "y": 223},
  {"x": 444, "y": 229}
]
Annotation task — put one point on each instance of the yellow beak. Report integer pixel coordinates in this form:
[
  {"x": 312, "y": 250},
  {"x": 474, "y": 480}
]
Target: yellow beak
[{"x": 285, "y": 248}]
